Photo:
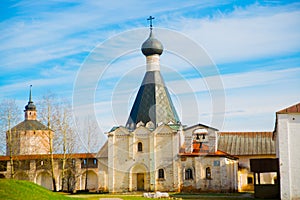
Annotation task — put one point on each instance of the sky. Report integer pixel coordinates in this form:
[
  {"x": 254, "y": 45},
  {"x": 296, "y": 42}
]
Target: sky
[{"x": 227, "y": 64}]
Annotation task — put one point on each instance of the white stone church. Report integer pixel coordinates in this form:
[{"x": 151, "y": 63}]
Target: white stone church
[{"x": 153, "y": 151}]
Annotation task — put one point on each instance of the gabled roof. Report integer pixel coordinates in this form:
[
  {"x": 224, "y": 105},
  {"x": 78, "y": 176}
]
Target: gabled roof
[
  {"x": 200, "y": 126},
  {"x": 246, "y": 143},
  {"x": 29, "y": 125},
  {"x": 292, "y": 109}
]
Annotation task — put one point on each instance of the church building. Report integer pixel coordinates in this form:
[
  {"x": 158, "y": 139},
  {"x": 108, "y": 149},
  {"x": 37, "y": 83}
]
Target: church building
[{"x": 155, "y": 152}]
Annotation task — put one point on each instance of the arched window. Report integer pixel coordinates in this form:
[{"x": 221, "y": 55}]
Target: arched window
[
  {"x": 161, "y": 173},
  {"x": 208, "y": 173},
  {"x": 189, "y": 174},
  {"x": 140, "y": 147}
]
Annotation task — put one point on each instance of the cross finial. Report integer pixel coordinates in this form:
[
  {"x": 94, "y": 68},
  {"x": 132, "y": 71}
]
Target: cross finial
[{"x": 150, "y": 19}]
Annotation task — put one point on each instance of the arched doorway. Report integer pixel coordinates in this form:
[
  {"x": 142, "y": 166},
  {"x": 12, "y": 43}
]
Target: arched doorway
[
  {"x": 21, "y": 176},
  {"x": 138, "y": 178},
  {"x": 91, "y": 183},
  {"x": 44, "y": 179}
]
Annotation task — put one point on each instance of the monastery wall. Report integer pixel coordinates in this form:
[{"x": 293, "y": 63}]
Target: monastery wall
[{"x": 212, "y": 174}]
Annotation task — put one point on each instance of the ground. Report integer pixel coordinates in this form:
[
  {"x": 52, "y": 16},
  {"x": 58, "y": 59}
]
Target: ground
[{"x": 15, "y": 189}]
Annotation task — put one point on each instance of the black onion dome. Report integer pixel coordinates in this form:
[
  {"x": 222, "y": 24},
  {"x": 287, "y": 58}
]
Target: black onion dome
[
  {"x": 152, "y": 46},
  {"x": 30, "y": 106}
]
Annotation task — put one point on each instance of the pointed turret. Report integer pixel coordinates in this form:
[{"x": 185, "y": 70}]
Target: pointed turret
[
  {"x": 153, "y": 102},
  {"x": 30, "y": 108}
]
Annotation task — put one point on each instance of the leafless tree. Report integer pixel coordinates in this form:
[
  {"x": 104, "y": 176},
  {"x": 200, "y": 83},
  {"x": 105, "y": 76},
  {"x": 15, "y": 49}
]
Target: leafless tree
[
  {"x": 57, "y": 114},
  {"x": 87, "y": 132},
  {"x": 9, "y": 117},
  {"x": 67, "y": 143},
  {"x": 48, "y": 115}
]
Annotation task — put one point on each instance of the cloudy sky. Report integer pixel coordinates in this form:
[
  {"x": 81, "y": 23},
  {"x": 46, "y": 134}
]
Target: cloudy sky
[{"x": 229, "y": 64}]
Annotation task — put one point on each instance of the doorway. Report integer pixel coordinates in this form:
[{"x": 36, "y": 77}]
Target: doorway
[{"x": 140, "y": 181}]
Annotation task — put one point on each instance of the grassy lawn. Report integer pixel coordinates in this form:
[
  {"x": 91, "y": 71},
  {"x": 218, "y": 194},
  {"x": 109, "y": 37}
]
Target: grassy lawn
[
  {"x": 210, "y": 196},
  {"x": 16, "y": 189}
]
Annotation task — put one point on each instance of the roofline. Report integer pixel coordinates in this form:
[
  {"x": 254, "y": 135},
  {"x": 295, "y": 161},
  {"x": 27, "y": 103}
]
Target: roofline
[
  {"x": 214, "y": 154},
  {"x": 285, "y": 110},
  {"x": 47, "y": 156},
  {"x": 190, "y": 127}
]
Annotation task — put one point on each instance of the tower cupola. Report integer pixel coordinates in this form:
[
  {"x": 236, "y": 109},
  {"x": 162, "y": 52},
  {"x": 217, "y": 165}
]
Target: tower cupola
[
  {"x": 30, "y": 108},
  {"x": 152, "y": 46}
]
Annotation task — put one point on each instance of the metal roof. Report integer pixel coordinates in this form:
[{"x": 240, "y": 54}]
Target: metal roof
[
  {"x": 152, "y": 103},
  {"x": 246, "y": 143}
]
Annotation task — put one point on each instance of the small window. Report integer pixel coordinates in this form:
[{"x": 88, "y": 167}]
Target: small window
[
  {"x": 84, "y": 161},
  {"x": 208, "y": 173},
  {"x": 189, "y": 174},
  {"x": 140, "y": 147},
  {"x": 249, "y": 180},
  {"x": 95, "y": 161},
  {"x": 161, "y": 173}
]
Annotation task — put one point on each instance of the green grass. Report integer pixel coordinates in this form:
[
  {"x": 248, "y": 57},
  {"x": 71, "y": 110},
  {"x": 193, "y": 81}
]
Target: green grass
[
  {"x": 16, "y": 189},
  {"x": 99, "y": 196},
  {"x": 202, "y": 196}
]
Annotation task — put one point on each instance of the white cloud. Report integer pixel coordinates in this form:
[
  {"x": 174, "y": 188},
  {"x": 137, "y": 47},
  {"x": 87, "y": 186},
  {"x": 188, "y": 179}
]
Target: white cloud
[
  {"x": 247, "y": 33},
  {"x": 254, "y": 32}
]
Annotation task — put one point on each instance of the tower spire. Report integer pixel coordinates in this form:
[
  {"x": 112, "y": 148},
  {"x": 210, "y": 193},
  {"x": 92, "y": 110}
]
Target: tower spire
[
  {"x": 30, "y": 108},
  {"x": 30, "y": 98}
]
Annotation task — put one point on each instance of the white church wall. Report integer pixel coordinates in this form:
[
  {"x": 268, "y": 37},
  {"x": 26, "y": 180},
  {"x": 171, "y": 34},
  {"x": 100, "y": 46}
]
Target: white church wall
[{"x": 288, "y": 153}]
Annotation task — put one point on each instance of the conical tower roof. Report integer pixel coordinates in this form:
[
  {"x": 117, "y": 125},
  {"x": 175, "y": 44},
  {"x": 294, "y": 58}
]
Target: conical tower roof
[{"x": 153, "y": 102}]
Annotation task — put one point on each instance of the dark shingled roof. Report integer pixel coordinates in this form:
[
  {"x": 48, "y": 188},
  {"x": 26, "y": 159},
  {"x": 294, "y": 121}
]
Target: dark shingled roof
[
  {"x": 30, "y": 125},
  {"x": 246, "y": 143},
  {"x": 152, "y": 103}
]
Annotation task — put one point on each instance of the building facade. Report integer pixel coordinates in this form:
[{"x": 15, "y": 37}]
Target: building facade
[
  {"x": 246, "y": 146},
  {"x": 287, "y": 135},
  {"x": 154, "y": 151}
]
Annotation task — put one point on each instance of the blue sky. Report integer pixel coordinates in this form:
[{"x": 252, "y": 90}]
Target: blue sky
[{"x": 254, "y": 45}]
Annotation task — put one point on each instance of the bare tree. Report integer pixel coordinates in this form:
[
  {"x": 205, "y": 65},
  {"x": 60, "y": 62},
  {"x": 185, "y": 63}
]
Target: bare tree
[
  {"x": 91, "y": 143},
  {"x": 68, "y": 143},
  {"x": 9, "y": 116},
  {"x": 57, "y": 113},
  {"x": 48, "y": 115}
]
